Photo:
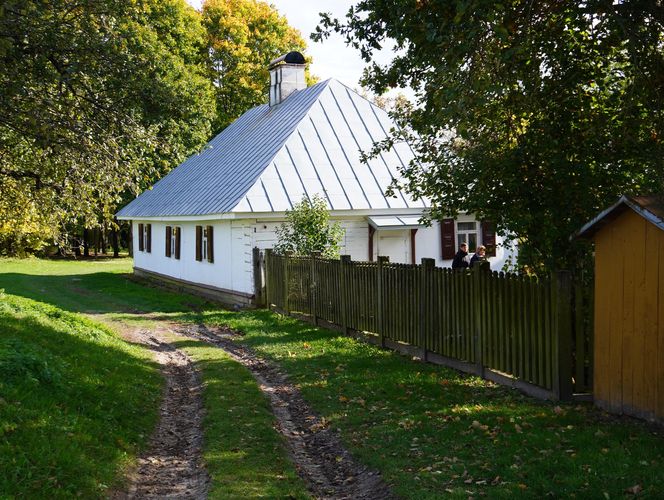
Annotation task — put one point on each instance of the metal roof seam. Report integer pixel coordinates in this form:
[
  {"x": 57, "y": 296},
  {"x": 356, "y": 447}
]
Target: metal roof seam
[
  {"x": 313, "y": 165},
  {"x": 372, "y": 139},
  {"x": 394, "y": 177},
  {"x": 329, "y": 159},
  {"x": 343, "y": 151},
  {"x": 359, "y": 150}
]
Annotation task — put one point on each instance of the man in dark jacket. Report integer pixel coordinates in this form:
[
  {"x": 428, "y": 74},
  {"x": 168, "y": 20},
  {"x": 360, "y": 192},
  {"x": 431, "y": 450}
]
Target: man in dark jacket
[{"x": 461, "y": 258}]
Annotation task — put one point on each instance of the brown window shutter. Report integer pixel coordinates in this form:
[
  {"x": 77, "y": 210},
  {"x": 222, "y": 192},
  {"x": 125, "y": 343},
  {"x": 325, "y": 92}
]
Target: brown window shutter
[
  {"x": 148, "y": 243},
  {"x": 169, "y": 235},
  {"x": 489, "y": 238},
  {"x": 210, "y": 245},
  {"x": 447, "y": 239},
  {"x": 199, "y": 243},
  {"x": 141, "y": 242},
  {"x": 177, "y": 242}
]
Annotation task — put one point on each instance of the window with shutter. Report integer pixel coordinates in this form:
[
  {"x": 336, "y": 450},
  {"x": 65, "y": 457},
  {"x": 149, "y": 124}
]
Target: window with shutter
[
  {"x": 141, "y": 238},
  {"x": 210, "y": 241},
  {"x": 168, "y": 240},
  {"x": 176, "y": 250},
  {"x": 199, "y": 243},
  {"x": 447, "y": 239},
  {"x": 148, "y": 238},
  {"x": 489, "y": 238}
]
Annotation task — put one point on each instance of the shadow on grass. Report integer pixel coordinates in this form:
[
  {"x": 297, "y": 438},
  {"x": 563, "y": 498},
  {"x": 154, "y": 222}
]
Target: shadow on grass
[
  {"x": 73, "y": 403},
  {"x": 100, "y": 292}
]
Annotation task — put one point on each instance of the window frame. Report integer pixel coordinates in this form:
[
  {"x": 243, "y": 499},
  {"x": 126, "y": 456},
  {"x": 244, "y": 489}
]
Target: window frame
[{"x": 464, "y": 233}]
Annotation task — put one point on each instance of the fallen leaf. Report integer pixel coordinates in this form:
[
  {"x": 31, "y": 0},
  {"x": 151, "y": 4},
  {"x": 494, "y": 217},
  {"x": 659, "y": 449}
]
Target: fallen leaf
[{"x": 634, "y": 490}]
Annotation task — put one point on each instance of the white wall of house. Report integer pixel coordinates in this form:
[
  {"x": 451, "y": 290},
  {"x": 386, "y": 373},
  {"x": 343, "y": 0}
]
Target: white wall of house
[
  {"x": 390, "y": 242},
  {"x": 231, "y": 269},
  {"x": 234, "y": 241}
]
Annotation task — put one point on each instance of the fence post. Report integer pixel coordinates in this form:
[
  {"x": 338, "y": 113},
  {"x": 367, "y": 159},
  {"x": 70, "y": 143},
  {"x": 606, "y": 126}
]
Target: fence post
[
  {"x": 344, "y": 260},
  {"x": 562, "y": 362},
  {"x": 313, "y": 287},
  {"x": 286, "y": 282},
  {"x": 426, "y": 268},
  {"x": 268, "y": 297},
  {"x": 380, "y": 325},
  {"x": 259, "y": 281},
  {"x": 480, "y": 272}
]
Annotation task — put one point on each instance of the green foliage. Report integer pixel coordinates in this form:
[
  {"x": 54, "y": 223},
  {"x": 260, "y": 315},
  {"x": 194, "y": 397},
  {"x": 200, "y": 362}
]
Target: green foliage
[
  {"x": 244, "y": 36},
  {"x": 535, "y": 115},
  {"x": 98, "y": 98},
  {"x": 307, "y": 230},
  {"x": 76, "y": 402}
]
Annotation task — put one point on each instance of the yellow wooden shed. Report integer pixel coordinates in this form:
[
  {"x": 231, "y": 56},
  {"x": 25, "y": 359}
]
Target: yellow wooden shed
[{"x": 629, "y": 306}]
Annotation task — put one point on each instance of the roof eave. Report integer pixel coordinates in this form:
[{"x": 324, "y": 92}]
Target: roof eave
[{"x": 590, "y": 228}]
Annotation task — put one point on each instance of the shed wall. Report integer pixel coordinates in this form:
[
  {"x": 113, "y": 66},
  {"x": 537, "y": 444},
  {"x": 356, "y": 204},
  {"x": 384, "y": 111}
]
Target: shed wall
[{"x": 629, "y": 317}]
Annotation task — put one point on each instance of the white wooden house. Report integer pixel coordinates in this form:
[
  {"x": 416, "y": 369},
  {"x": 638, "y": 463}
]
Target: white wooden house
[{"x": 197, "y": 226}]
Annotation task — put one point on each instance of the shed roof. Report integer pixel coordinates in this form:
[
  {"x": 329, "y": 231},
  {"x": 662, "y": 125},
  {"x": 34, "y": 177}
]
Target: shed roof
[
  {"x": 271, "y": 157},
  {"x": 395, "y": 222},
  {"x": 650, "y": 208}
]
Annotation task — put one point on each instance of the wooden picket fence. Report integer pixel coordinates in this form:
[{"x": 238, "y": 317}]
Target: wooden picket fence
[{"x": 534, "y": 334}]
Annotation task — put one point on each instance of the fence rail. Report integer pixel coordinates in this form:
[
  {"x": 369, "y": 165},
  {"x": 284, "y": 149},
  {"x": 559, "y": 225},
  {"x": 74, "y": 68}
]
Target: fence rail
[{"x": 501, "y": 326}]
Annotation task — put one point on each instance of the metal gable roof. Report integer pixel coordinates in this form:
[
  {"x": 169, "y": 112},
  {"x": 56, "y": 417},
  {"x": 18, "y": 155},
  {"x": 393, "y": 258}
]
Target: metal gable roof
[
  {"x": 650, "y": 208},
  {"x": 269, "y": 158}
]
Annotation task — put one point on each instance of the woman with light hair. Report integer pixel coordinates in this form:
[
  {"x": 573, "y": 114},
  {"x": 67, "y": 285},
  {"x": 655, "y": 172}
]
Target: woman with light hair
[{"x": 480, "y": 255}]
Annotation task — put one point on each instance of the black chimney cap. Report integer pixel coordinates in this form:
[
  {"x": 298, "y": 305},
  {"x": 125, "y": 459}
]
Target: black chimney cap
[{"x": 293, "y": 57}]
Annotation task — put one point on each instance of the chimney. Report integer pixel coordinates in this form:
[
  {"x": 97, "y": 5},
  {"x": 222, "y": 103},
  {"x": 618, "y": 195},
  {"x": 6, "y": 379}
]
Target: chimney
[{"x": 286, "y": 76}]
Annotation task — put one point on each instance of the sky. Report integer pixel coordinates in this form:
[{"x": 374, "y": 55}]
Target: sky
[{"x": 331, "y": 58}]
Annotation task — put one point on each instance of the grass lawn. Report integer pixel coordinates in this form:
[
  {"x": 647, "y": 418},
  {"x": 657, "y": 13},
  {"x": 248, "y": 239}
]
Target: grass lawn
[
  {"x": 75, "y": 424},
  {"x": 75, "y": 402},
  {"x": 429, "y": 430}
]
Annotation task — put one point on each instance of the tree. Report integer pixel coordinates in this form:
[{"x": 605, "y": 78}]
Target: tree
[
  {"x": 244, "y": 36},
  {"x": 98, "y": 98},
  {"x": 307, "y": 230},
  {"x": 533, "y": 114}
]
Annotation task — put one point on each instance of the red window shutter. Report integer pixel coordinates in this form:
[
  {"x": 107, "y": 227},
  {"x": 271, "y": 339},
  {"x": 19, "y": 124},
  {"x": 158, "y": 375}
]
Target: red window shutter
[
  {"x": 169, "y": 235},
  {"x": 489, "y": 238},
  {"x": 447, "y": 239},
  {"x": 141, "y": 241},
  {"x": 199, "y": 243},
  {"x": 210, "y": 246},
  {"x": 148, "y": 242},
  {"x": 177, "y": 242}
]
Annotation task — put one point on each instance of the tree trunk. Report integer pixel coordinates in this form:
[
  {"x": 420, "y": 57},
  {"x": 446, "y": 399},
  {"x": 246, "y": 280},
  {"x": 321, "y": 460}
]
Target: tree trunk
[
  {"x": 86, "y": 242},
  {"x": 116, "y": 245},
  {"x": 102, "y": 239}
]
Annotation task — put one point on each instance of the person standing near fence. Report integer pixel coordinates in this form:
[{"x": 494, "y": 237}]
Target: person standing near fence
[
  {"x": 480, "y": 255},
  {"x": 461, "y": 258}
]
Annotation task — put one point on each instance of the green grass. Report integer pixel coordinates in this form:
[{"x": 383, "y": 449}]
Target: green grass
[
  {"x": 429, "y": 430},
  {"x": 245, "y": 455},
  {"x": 75, "y": 402},
  {"x": 432, "y": 431}
]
